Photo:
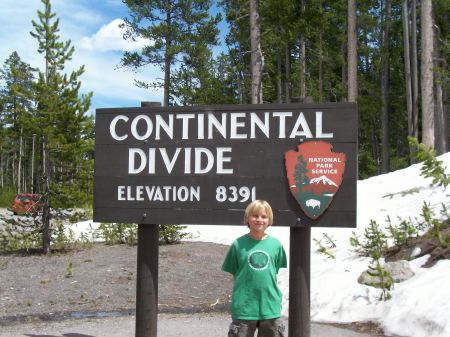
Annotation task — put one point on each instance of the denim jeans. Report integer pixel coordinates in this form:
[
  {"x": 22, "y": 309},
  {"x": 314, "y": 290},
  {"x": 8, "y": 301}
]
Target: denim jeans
[{"x": 266, "y": 328}]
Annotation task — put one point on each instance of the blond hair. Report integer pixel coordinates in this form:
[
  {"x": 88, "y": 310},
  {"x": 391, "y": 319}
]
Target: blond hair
[{"x": 255, "y": 207}]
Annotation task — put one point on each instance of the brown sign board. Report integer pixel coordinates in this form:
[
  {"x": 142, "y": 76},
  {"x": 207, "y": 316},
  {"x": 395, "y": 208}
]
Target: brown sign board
[{"x": 205, "y": 164}]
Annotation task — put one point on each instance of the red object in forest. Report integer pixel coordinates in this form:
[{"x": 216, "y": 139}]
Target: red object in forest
[{"x": 27, "y": 203}]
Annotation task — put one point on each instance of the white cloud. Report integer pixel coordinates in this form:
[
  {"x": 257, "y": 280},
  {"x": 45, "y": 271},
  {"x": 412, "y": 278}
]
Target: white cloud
[
  {"x": 105, "y": 79},
  {"x": 110, "y": 38},
  {"x": 98, "y": 42}
]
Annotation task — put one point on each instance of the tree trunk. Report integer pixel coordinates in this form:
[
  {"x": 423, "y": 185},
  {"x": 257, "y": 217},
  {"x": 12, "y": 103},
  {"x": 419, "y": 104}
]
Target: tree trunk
[
  {"x": 320, "y": 68},
  {"x": 168, "y": 55},
  {"x": 256, "y": 53},
  {"x": 1, "y": 168},
  {"x": 344, "y": 77},
  {"x": 385, "y": 86},
  {"x": 19, "y": 164},
  {"x": 427, "y": 75},
  {"x": 46, "y": 235},
  {"x": 414, "y": 71},
  {"x": 440, "y": 113},
  {"x": 279, "y": 82},
  {"x": 408, "y": 79},
  {"x": 441, "y": 119},
  {"x": 288, "y": 73},
  {"x": 352, "y": 53},
  {"x": 33, "y": 187},
  {"x": 375, "y": 146},
  {"x": 302, "y": 60},
  {"x": 240, "y": 87}
]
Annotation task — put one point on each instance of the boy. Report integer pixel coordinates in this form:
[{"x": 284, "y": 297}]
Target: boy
[{"x": 254, "y": 260}]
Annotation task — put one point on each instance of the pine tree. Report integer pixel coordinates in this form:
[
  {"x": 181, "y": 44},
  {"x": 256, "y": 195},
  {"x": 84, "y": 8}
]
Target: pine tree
[
  {"x": 301, "y": 178},
  {"x": 64, "y": 128},
  {"x": 173, "y": 29},
  {"x": 17, "y": 109},
  {"x": 238, "y": 44}
]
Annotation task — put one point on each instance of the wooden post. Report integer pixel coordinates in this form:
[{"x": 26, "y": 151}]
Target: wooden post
[
  {"x": 147, "y": 274},
  {"x": 147, "y": 281},
  {"x": 299, "y": 282}
]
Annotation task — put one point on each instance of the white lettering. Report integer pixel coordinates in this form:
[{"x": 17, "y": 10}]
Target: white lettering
[
  {"x": 132, "y": 152},
  {"x": 185, "y": 120},
  {"x": 150, "y": 192},
  {"x": 203, "y": 159},
  {"x": 263, "y": 126},
  {"x": 148, "y": 129},
  {"x": 182, "y": 193},
  {"x": 234, "y": 125},
  {"x": 221, "y": 160},
  {"x": 158, "y": 193},
  {"x": 201, "y": 126},
  {"x": 213, "y": 123},
  {"x": 187, "y": 160},
  {"x": 237, "y": 125},
  {"x": 319, "y": 133},
  {"x": 160, "y": 123},
  {"x": 151, "y": 160},
  {"x": 282, "y": 117},
  {"x": 139, "y": 193},
  {"x": 199, "y": 152},
  {"x": 301, "y": 122},
  {"x": 129, "y": 196},
  {"x": 169, "y": 163},
  {"x": 121, "y": 193},
  {"x": 112, "y": 127}
]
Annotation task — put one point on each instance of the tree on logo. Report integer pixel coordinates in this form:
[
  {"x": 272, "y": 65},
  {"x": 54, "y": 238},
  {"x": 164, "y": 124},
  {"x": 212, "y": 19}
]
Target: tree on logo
[{"x": 300, "y": 172}]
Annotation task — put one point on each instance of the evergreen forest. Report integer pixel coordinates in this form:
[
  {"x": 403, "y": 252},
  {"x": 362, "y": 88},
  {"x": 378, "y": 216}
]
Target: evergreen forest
[{"x": 391, "y": 57}]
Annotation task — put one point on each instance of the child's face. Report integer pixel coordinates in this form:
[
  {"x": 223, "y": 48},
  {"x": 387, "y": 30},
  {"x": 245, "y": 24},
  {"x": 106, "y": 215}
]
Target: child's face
[{"x": 258, "y": 221}]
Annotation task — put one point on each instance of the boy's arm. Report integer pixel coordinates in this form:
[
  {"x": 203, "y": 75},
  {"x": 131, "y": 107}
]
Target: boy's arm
[
  {"x": 281, "y": 259},
  {"x": 230, "y": 263}
]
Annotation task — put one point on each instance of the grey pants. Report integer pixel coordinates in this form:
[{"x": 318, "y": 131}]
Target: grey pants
[{"x": 266, "y": 328}]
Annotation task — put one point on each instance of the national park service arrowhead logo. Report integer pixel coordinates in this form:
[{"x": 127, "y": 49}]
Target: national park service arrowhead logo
[{"x": 315, "y": 174}]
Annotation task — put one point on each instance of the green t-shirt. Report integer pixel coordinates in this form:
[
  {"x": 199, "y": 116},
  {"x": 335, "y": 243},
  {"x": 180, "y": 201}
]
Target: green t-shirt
[{"x": 254, "y": 265}]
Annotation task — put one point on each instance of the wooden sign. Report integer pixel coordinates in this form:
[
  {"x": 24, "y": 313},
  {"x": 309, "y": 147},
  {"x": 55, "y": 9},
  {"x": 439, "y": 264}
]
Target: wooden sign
[{"x": 204, "y": 164}]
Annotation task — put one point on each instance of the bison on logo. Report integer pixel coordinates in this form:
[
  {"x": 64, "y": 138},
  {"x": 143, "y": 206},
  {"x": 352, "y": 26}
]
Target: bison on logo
[{"x": 314, "y": 174}]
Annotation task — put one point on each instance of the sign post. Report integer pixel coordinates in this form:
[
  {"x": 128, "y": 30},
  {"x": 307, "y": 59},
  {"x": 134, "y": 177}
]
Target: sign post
[
  {"x": 205, "y": 164},
  {"x": 147, "y": 281},
  {"x": 147, "y": 274},
  {"x": 299, "y": 282}
]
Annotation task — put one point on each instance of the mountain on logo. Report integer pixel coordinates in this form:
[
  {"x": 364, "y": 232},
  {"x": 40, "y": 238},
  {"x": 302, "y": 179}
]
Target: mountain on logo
[
  {"x": 321, "y": 185},
  {"x": 323, "y": 180}
]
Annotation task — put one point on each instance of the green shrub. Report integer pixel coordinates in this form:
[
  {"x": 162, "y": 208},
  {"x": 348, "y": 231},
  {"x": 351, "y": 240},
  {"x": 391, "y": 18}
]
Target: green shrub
[
  {"x": 431, "y": 166},
  {"x": 403, "y": 232},
  {"x": 6, "y": 197},
  {"x": 376, "y": 269},
  {"x": 374, "y": 243},
  {"x": 117, "y": 233},
  {"x": 327, "y": 248},
  {"x": 169, "y": 234}
]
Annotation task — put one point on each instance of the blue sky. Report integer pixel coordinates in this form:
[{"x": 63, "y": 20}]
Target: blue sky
[{"x": 92, "y": 27}]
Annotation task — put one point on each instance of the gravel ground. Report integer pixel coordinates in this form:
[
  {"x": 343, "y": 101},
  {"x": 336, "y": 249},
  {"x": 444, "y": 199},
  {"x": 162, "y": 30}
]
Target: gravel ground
[{"x": 103, "y": 278}]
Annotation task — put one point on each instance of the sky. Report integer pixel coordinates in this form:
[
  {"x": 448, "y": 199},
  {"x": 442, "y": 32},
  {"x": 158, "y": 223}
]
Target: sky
[
  {"x": 419, "y": 307},
  {"x": 92, "y": 27}
]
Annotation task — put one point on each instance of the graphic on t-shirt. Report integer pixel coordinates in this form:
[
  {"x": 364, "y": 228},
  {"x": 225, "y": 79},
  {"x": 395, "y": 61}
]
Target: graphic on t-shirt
[{"x": 258, "y": 260}]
